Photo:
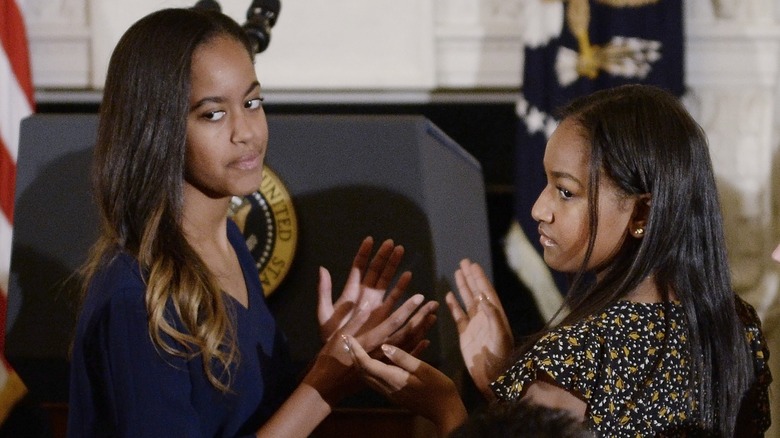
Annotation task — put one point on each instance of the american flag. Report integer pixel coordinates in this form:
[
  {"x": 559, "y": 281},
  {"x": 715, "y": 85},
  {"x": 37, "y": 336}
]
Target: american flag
[{"x": 16, "y": 102}]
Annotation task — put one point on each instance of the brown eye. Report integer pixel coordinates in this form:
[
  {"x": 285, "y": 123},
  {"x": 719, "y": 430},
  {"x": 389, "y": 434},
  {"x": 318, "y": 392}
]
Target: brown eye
[
  {"x": 565, "y": 194},
  {"x": 253, "y": 103},
  {"x": 214, "y": 115}
]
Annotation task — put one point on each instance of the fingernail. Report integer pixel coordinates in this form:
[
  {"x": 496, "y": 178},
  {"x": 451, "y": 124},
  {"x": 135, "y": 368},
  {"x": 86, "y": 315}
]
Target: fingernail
[
  {"x": 417, "y": 299},
  {"x": 389, "y": 350},
  {"x": 347, "y": 347}
]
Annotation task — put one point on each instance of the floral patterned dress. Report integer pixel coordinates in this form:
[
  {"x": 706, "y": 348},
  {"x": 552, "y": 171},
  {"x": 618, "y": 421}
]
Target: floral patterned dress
[{"x": 631, "y": 365}]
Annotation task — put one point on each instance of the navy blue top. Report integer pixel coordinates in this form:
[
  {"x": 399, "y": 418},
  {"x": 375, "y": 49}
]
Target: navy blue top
[{"x": 121, "y": 386}]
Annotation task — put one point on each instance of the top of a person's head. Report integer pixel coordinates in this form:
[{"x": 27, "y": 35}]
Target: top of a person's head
[
  {"x": 154, "y": 55},
  {"x": 149, "y": 71},
  {"x": 644, "y": 140},
  {"x": 140, "y": 148},
  {"x": 516, "y": 418}
]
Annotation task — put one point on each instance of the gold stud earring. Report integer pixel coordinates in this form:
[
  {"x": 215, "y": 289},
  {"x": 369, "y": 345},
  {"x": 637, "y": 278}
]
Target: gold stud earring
[{"x": 639, "y": 231}]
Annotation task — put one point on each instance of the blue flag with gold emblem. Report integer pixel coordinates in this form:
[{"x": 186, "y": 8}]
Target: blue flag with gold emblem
[{"x": 573, "y": 48}]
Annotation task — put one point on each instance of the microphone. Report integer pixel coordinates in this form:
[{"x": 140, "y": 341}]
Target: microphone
[
  {"x": 260, "y": 18},
  {"x": 209, "y": 5}
]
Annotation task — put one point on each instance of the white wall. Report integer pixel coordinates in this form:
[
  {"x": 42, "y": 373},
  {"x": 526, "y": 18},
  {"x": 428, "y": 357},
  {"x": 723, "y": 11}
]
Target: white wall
[{"x": 320, "y": 45}]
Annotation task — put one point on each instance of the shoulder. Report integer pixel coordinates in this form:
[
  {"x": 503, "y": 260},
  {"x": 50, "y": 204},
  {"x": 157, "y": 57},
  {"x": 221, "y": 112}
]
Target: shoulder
[
  {"x": 113, "y": 317},
  {"x": 121, "y": 272},
  {"x": 118, "y": 287},
  {"x": 575, "y": 356},
  {"x": 615, "y": 325},
  {"x": 748, "y": 315}
]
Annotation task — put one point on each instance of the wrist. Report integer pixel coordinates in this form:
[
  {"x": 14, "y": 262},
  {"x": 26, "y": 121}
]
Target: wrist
[
  {"x": 322, "y": 384},
  {"x": 332, "y": 381},
  {"x": 453, "y": 416}
]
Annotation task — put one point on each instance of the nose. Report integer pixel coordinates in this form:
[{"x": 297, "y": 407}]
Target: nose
[
  {"x": 540, "y": 210},
  {"x": 776, "y": 254},
  {"x": 248, "y": 127}
]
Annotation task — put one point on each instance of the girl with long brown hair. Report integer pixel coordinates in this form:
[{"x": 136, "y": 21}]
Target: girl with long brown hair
[{"x": 174, "y": 336}]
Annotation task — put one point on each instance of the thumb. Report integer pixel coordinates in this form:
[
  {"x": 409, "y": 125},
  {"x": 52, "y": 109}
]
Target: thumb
[
  {"x": 356, "y": 351},
  {"x": 325, "y": 297}
]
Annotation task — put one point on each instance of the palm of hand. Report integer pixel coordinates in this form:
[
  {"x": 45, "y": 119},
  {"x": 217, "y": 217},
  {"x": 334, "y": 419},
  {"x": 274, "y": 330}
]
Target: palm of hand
[
  {"x": 485, "y": 346},
  {"x": 346, "y": 306},
  {"x": 366, "y": 293},
  {"x": 486, "y": 340},
  {"x": 365, "y": 289}
]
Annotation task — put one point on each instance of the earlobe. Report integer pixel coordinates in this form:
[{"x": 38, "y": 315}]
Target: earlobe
[{"x": 641, "y": 213}]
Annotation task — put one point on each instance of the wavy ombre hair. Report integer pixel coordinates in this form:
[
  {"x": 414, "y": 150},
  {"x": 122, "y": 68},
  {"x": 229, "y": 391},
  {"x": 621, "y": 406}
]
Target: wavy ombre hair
[{"x": 138, "y": 175}]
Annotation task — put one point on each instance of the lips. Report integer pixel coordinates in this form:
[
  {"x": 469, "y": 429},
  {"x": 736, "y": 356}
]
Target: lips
[
  {"x": 544, "y": 239},
  {"x": 248, "y": 161}
]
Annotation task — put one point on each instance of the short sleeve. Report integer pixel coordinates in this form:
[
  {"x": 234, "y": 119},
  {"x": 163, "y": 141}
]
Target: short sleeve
[{"x": 566, "y": 357}]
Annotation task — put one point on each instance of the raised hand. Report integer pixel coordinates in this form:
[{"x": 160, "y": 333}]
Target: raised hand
[
  {"x": 332, "y": 373},
  {"x": 366, "y": 285},
  {"x": 366, "y": 289},
  {"x": 486, "y": 340},
  {"x": 411, "y": 383}
]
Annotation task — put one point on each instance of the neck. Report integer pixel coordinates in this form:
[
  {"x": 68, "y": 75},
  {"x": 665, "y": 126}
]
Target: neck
[
  {"x": 647, "y": 292},
  {"x": 204, "y": 219}
]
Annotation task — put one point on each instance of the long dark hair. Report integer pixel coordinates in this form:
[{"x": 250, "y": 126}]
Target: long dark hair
[
  {"x": 138, "y": 174},
  {"x": 644, "y": 140}
]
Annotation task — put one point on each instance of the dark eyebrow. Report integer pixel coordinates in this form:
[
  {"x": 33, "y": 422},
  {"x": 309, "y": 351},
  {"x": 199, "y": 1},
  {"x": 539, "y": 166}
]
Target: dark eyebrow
[
  {"x": 566, "y": 175},
  {"x": 252, "y": 87},
  {"x": 218, "y": 99}
]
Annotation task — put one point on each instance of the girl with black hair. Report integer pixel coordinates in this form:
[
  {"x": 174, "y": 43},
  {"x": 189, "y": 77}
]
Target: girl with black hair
[{"x": 651, "y": 340}]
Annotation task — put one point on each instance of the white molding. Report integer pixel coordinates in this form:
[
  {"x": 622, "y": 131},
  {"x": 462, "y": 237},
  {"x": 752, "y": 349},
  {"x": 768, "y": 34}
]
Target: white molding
[
  {"x": 321, "y": 97},
  {"x": 59, "y": 55},
  {"x": 475, "y": 57},
  {"x": 477, "y": 47},
  {"x": 728, "y": 54}
]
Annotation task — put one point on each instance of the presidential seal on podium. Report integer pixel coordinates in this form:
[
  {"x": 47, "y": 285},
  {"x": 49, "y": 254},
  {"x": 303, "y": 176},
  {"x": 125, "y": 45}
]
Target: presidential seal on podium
[{"x": 267, "y": 219}]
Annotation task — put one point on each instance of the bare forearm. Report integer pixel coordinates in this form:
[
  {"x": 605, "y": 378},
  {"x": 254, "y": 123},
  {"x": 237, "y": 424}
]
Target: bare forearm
[
  {"x": 454, "y": 415},
  {"x": 300, "y": 414}
]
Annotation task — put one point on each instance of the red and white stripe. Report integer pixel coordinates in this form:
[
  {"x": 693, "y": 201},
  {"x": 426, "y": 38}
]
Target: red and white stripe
[{"x": 16, "y": 102}]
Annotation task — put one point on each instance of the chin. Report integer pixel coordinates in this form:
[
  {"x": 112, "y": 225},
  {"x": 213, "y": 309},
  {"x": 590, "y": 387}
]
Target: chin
[
  {"x": 550, "y": 261},
  {"x": 245, "y": 191},
  {"x": 557, "y": 266},
  {"x": 249, "y": 185}
]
